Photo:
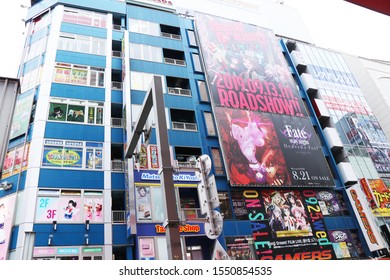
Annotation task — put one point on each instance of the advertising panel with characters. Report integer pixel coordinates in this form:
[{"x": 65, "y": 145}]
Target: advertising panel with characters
[
  {"x": 265, "y": 133},
  {"x": 287, "y": 224}
]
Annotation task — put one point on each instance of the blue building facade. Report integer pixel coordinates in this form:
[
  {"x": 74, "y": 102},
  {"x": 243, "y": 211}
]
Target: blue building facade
[{"x": 86, "y": 68}]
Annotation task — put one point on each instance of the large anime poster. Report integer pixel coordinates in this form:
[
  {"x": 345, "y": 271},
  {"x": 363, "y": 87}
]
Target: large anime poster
[
  {"x": 287, "y": 225},
  {"x": 265, "y": 134}
]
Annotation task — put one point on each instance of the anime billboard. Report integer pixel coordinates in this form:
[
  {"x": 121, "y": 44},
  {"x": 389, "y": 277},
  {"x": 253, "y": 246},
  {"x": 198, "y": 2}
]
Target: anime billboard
[
  {"x": 287, "y": 224},
  {"x": 264, "y": 131}
]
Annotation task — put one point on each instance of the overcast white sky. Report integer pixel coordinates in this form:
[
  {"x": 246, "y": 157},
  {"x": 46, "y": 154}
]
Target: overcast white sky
[{"x": 333, "y": 24}]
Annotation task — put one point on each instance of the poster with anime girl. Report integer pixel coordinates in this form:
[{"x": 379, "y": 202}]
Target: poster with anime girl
[
  {"x": 286, "y": 214},
  {"x": 251, "y": 148}
]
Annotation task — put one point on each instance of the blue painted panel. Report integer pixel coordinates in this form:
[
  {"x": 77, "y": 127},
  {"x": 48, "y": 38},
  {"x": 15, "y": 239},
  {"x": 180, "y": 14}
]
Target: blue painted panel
[
  {"x": 16, "y": 142},
  {"x": 77, "y": 92},
  {"x": 342, "y": 222},
  {"x": 84, "y": 30},
  {"x": 74, "y": 179},
  {"x": 74, "y": 131},
  {"x": 119, "y": 235},
  {"x": 81, "y": 58},
  {"x": 31, "y": 65},
  {"x": 68, "y": 234},
  {"x": 117, "y": 135},
  {"x": 184, "y": 138},
  {"x": 116, "y": 96},
  {"x": 14, "y": 237},
  {"x": 233, "y": 228},
  {"x": 37, "y": 36},
  {"x": 117, "y": 181},
  {"x": 137, "y": 97},
  {"x": 14, "y": 180},
  {"x": 179, "y": 102},
  {"x": 117, "y": 63},
  {"x": 117, "y": 35},
  {"x": 156, "y": 41},
  {"x": 153, "y": 15},
  {"x": 158, "y": 68}
]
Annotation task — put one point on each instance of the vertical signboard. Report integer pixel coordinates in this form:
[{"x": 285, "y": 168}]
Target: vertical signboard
[
  {"x": 365, "y": 218},
  {"x": 265, "y": 134}
]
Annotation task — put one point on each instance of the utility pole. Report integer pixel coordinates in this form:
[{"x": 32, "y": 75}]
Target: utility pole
[{"x": 155, "y": 99}]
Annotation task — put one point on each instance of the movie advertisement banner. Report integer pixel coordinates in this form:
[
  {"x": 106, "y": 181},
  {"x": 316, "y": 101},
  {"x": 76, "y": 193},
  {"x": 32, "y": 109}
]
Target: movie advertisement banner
[
  {"x": 265, "y": 134},
  {"x": 287, "y": 225},
  {"x": 7, "y": 207},
  {"x": 270, "y": 150}
]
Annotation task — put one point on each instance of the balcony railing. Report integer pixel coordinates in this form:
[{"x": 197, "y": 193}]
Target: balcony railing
[
  {"x": 116, "y": 85},
  {"x": 171, "y": 36},
  {"x": 117, "y": 165},
  {"x": 116, "y": 122},
  {"x": 174, "y": 61},
  {"x": 118, "y": 217},
  {"x": 185, "y": 126},
  {"x": 116, "y": 53},
  {"x": 179, "y": 91}
]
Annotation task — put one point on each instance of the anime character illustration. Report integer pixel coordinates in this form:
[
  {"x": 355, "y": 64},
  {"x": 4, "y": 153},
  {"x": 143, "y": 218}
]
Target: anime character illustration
[
  {"x": 249, "y": 137},
  {"x": 300, "y": 218},
  {"x": 252, "y": 67},
  {"x": 289, "y": 220},
  {"x": 275, "y": 218},
  {"x": 292, "y": 200},
  {"x": 58, "y": 113},
  {"x": 277, "y": 199},
  {"x": 70, "y": 210},
  {"x": 88, "y": 209},
  {"x": 98, "y": 209},
  {"x": 275, "y": 166}
]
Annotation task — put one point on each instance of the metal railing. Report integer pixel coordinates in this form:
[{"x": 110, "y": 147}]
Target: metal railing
[
  {"x": 118, "y": 217},
  {"x": 171, "y": 36},
  {"x": 117, "y": 165},
  {"x": 179, "y": 91},
  {"x": 185, "y": 126},
  {"x": 116, "y": 53},
  {"x": 174, "y": 61},
  {"x": 117, "y": 27},
  {"x": 116, "y": 122},
  {"x": 116, "y": 85}
]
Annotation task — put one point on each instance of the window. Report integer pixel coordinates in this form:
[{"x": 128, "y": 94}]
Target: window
[
  {"x": 15, "y": 161},
  {"x": 174, "y": 57},
  {"x": 204, "y": 95},
  {"x": 209, "y": 123},
  {"x": 226, "y": 209},
  {"x": 79, "y": 75},
  {"x": 150, "y": 204},
  {"x": 144, "y": 27},
  {"x": 146, "y": 52},
  {"x": 79, "y": 111},
  {"x": 82, "y": 17},
  {"x": 81, "y": 43},
  {"x": 192, "y": 38},
  {"x": 141, "y": 81},
  {"x": 183, "y": 120},
  {"x": 197, "y": 63},
  {"x": 185, "y": 154},
  {"x": 178, "y": 86},
  {"x": 217, "y": 161},
  {"x": 69, "y": 206},
  {"x": 72, "y": 154}
]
